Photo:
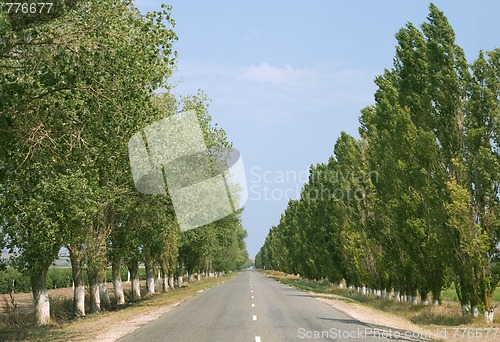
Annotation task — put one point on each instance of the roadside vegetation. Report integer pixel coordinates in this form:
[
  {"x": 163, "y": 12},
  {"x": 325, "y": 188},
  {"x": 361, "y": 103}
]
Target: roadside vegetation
[
  {"x": 412, "y": 207},
  {"x": 73, "y": 89},
  {"x": 426, "y": 316},
  {"x": 16, "y": 323}
]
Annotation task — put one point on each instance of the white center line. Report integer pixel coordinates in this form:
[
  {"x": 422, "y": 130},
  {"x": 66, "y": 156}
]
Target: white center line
[
  {"x": 257, "y": 339},
  {"x": 254, "y": 317},
  {"x": 253, "y": 305},
  {"x": 251, "y": 291},
  {"x": 252, "y": 297}
]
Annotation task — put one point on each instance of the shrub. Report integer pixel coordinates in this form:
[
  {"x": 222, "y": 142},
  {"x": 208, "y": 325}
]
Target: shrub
[{"x": 12, "y": 279}]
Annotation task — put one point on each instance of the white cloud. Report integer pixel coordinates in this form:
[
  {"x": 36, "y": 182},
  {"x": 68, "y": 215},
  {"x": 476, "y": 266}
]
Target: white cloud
[
  {"x": 265, "y": 73},
  {"x": 268, "y": 94}
]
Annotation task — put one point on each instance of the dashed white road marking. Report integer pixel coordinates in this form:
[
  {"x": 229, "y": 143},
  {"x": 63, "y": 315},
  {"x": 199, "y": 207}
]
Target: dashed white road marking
[
  {"x": 257, "y": 339},
  {"x": 252, "y": 297},
  {"x": 251, "y": 291},
  {"x": 254, "y": 317},
  {"x": 253, "y": 305}
]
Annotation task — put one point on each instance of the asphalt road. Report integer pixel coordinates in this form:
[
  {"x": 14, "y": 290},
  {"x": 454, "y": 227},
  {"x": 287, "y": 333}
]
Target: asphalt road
[{"x": 252, "y": 307}]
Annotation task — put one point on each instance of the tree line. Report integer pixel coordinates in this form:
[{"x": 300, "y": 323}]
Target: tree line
[
  {"x": 423, "y": 178},
  {"x": 74, "y": 87}
]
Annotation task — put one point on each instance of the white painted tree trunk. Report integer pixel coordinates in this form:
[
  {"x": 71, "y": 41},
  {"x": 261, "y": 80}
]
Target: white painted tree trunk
[
  {"x": 435, "y": 302},
  {"x": 79, "y": 285},
  {"x": 41, "y": 298},
  {"x": 150, "y": 285},
  {"x": 104, "y": 294},
  {"x": 190, "y": 278},
  {"x": 117, "y": 283},
  {"x": 171, "y": 282},
  {"x": 136, "y": 289},
  {"x": 150, "y": 276},
  {"x": 475, "y": 312},
  {"x": 134, "y": 279},
  {"x": 489, "y": 315},
  {"x": 465, "y": 310},
  {"x": 179, "y": 281},
  {"x": 79, "y": 300},
  {"x": 397, "y": 297},
  {"x": 78, "y": 292},
  {"x": 95, "y": 297},
  {"x": 414, "y": 300},
  {"x": 198, "y": 277},
  {"x": 363, "y": 290},
  {"x": 165, "y": 283}
]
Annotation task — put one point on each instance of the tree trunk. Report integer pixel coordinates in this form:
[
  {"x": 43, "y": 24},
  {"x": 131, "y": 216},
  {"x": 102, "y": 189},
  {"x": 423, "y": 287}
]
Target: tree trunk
[
  {"x": 117, "y": 282},
  {"x": 164, "y": 277},
  {"x": 436, "y": 296},
  {"x": 40, "y": 297},
  {"x": 150, "y": 276},
  {"x": 179, "y": 281},
  {"x": 413, "y": 296},
  {"x": 165, "y": 283},
  {"x": 134, "y": 278},
  {"x": 95, "y": 293},
  {"x": 489, "y": 315},
  {"x": 171, "y": 282},
  {"x": 465, "y": 310},
  {"x": 104, "y": 294},
  {"x": 79, "y": 286},
  {"x": 424, "y": 294},
  {"x": 475, "y": 311}
]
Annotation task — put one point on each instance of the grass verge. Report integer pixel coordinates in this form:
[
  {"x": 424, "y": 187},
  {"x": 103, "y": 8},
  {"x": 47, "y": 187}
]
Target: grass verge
[{"x": 426, "y": 316}]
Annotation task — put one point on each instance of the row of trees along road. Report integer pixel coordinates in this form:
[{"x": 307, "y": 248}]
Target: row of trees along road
[
  {"x": 73, "y": 89},
  {"x": 413, "y": 205}
]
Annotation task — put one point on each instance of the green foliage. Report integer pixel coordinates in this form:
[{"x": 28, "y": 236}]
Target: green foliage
[
  {"x": 56, "y": 278},
  {"x": 70, "y": 97},
  {"x": 12, "y": 276},
  {"x": 431, "y": 214}
]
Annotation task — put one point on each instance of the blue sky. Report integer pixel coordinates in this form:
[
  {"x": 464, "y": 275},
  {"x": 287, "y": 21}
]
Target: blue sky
[{"x": 286, "y": 77}]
